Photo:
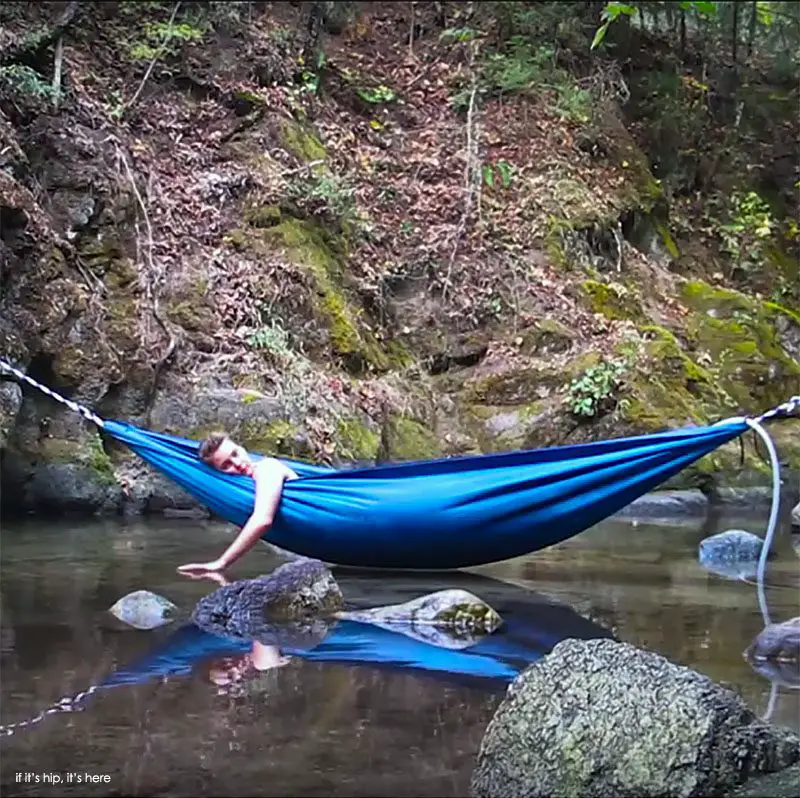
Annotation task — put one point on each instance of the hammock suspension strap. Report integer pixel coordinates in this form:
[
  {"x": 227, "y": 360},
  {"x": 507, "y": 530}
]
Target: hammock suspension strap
[{"x": 74, "y": 406}]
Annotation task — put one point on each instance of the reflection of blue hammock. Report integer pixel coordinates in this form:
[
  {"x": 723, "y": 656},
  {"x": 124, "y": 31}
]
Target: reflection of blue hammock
[
  {"x": 440, "y": 514},
  {"x": 531, "y": 628},
  {"x": 524, "y": 637}
]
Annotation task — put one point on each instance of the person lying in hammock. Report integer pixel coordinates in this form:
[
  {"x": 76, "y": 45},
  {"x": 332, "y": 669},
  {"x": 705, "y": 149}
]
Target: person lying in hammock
[{"x": 222, "y": 453}]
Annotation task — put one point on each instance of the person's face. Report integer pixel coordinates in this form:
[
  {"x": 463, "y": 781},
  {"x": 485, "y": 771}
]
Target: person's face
[
  {"x": 232, "y": 459},
  {"x": 229, "y": 670}
]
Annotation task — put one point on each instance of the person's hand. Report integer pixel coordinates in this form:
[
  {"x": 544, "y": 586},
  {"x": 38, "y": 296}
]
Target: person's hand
[{"x": 201, "y": 570}]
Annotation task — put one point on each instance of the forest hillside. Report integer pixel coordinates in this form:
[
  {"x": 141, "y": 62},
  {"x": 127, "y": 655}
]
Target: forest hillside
[{"x": 357, "y": 232}]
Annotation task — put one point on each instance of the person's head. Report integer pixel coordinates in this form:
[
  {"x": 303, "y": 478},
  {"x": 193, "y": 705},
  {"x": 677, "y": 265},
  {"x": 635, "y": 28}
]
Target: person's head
[{"x": 222, "y": 453}]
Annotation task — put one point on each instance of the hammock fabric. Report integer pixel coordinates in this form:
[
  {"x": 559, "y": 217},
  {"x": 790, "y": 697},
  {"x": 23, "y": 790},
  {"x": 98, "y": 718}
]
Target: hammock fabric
[{"x": 440, "y": 514}]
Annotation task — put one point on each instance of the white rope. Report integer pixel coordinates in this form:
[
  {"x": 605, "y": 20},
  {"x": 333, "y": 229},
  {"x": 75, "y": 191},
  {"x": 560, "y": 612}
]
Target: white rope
[
  {"x": 66, "y": 704},
  {"x": 755, "y": 424},
  {"x": 74, "y": 406}
]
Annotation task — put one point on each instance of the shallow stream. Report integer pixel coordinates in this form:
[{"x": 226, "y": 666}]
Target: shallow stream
[{"x": 367, "y": 716}]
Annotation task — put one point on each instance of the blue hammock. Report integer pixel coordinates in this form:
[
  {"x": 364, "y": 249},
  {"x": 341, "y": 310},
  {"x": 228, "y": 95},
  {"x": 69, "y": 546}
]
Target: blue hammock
[{"x": 440, "y": 514}]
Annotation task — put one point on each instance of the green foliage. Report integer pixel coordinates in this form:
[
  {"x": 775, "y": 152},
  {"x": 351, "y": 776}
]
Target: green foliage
[
  {"x": 591, "y": 392},
  {"x": 522, "y": 67},
  {"x": 376, "y": 95},
  {"x": 503, "y": 169},
  {"x": 166, "y": 38},
  {"x": 271, "y": 338},
  {"x": 750, "y": 224},
  {"x": 326, "y": 192},
  {"x": 459, "y": 35},
  {"x": 25, "y": 80}
]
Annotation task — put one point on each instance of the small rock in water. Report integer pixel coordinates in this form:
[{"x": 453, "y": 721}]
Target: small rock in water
[
  {"x": 795, "y": 519},
  {"x": 733, "y": 554},
  {"x": 448, "y": 618},
  {"x": 778, "y": 641},
  {"x": 144, "y": 610}
]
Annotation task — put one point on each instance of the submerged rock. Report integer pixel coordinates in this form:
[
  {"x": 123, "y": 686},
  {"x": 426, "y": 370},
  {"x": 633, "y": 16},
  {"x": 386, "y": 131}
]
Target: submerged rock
[
  {"x": 295, "y": 591},
  {"x": 733, "y": 553},
  {"x": 447, "y": 618},
  {"x": 783, "y": 784},
  {"x": 144, "y": 610},
  {"x": 602, "y": 718}
]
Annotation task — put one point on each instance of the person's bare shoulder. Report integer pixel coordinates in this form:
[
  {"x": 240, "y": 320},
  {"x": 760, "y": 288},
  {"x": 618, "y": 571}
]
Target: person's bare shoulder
[{"x": 271, "y": 468}]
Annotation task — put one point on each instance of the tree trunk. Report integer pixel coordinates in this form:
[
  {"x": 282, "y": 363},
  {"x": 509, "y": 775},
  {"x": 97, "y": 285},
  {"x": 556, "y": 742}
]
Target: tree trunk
[
  {"x": 683, "y": 33},
  {"x": 751, "y": 36},
  {"x": 735, "y": 31}
]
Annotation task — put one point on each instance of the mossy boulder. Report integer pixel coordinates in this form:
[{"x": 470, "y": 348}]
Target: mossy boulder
[
  {"x": 512, "y": 386},
  {"x": 277, "y": 438},
  {"x": 738, "y": 338},
  {"x": 406, "y": 439}
]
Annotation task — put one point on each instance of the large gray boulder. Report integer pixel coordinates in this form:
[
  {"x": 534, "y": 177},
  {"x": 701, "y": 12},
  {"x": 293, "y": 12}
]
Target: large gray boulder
[
  {"x": 295, "y": 591},
  {"x": 601, "y": 718}
]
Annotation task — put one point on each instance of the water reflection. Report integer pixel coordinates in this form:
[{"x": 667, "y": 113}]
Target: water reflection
[{"x": 363, "y": 711}]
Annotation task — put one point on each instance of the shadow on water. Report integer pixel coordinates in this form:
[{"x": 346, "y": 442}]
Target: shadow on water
[{"x": 362, "y": 710}]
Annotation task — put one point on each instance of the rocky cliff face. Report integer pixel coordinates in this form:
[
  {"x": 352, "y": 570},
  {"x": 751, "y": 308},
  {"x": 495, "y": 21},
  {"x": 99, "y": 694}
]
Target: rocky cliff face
[{"x": 199, "y": 233}]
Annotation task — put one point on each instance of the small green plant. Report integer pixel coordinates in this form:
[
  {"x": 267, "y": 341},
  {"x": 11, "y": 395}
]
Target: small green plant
[
  {"x": 330, "y": 191},
  {"x": 25, "y": 80},
  {"x": 459, "y": 35},
  {"x": 591, "y": 392},
  {"x": 164, "y": 37},
  {"x": 376, "y": 95},
  {"x": 504, "y": 170},
  {"x": 273, "y": 339},
  {"x": 573, "y": 103}
]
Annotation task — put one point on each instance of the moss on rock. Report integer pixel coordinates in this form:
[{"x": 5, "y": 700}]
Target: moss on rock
[
  {"x": 277, "y": 438},
  {"x": 612, "y": 300},
  {"x": 356, "y": 441},
  {"x": 301, "y": 141},
  {"x": 88, "y": 453},
  {"x": 511, "y": 387},
  {"x": 738, "y": 338},
  {"x": 310, "y": 247},
  {"x": 406, "y": 439}
]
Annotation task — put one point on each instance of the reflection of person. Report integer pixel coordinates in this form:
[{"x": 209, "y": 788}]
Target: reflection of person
[
  {"x": 232, "y": 670},
  {"x": 269, "y": 474}
]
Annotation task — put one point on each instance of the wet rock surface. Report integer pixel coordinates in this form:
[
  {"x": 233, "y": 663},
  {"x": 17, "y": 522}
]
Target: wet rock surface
[
  {"x": 733, "y": 553},
  {"x": 300, "y": 591},
  {"x": 603, "y": 718},
  {"x": 779, "y": 642},
  {"x": 446, "y": 618},
  {"x": 144, "y": 610}
]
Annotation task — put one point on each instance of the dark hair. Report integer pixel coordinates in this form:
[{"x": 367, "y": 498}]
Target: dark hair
[{"x": 210, "y": 445}]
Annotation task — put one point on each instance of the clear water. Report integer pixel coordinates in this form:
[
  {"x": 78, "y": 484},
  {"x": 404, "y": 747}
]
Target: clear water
[{"x": 327, "y": 728}]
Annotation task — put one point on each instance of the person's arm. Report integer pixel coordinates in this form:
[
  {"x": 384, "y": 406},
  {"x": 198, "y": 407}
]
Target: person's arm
[{"x": 269, "y": 477}]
